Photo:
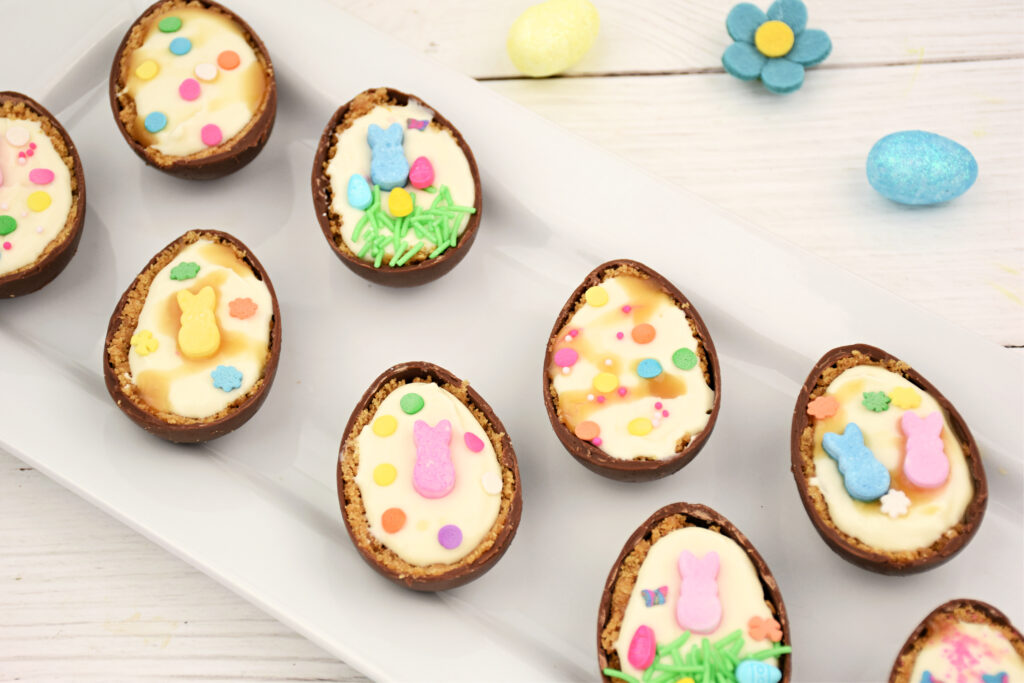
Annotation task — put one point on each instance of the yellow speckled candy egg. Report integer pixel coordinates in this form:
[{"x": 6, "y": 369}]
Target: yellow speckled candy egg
[{"x": 550, "y": 37}]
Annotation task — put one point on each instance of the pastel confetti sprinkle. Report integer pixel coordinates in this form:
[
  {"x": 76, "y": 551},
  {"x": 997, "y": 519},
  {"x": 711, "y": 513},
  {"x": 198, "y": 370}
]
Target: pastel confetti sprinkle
[
  {"x": 211, "y": 135},
  {"x": 242, "y": 308},
  {"x": 205, "y": 71},
  {"x": 17, "y": 136},
  {"x": 144, "y": 342},
  {"x": 180, "y": 46},
  {"x": 491, "y": 483},
  {"x": 653, "y": 598},
  {"x": 473, "y": 442},
  {"x": 417, "y": 124},
  {"x": 566, "y": 358},
  {"x": 684, "y": 359},
  {"x": 621, "y": 391},
  {"x": 906, "y": 398},
  {"x": 411, "y": 404},
  {"x": 186, "y": 270},
  {"x": 228, "y": 60},
  {"x": 41, "y": 176},
  {"x": 147, "y": 70},
  {"x": 876, "y": 401},
  {"x": 605, "y": 382},
  {"x": 648, "y": 368},
  {"x": 587, "y": 430},
  {"x": 384, "y": 474},
  {"x": 619, "y": 335},
  {"x": 385, "y": 425},
  {"x": 759, "y": 628},
  {"x": 8, "y": 224},
  {"x": 39, "y": 201},
  {"x": 895, "y": 503},
  {"x": 596, "y": 296},
  {"x": 393, "y": 520},
  {"x": 169, "y": 24},
  {"x": 597, "y": 441},
  {"x": 7, "y": 246},
  {"x": 450, "y": 536},
  {"x": 627, "y": 308},
  {"x": 640, "y": 426},
  {"x": 643, "y": 333},
  {"x": 189, "y": 89},
  {"x": 823, "y": 407},
  {"x": 155, "y": 121},
  {"x": 226, "y": 377}
]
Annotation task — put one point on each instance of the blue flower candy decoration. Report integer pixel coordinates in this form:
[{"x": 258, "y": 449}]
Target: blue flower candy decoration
[
  {"x": 227, "y": 377},
  {"x": 774, "y": 47}
]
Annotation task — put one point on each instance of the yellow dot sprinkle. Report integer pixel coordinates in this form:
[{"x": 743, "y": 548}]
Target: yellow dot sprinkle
[
  {"x": 147, "y": 70},
  {"x": 38, "y": 201},
  {"x": 605, "y": 382},
  {"x": 774, "y": 38},
  {"x": 641, "y": 426},
  {"x": 686, "y": 680},
  {"x": 385, "y": 425},
  {"x": 421, "y": 525},
  {"x": 384, "y": 475},
  {"x": 596, "y": 296},
  {"x": 905, "y": 397},
  {"x": 399, "y": 203}
]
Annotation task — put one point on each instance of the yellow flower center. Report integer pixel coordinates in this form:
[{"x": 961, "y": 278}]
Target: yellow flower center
[{"x": 774, "y": 38}]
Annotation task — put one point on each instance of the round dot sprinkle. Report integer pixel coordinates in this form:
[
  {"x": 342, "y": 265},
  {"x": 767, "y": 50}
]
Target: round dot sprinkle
[
  {"x": 147, "y": 70},
  {"x": 597, "y": 441},
  {"x": 473, "y": 442},
  {"x": 384, "y": 474},
  {"x": 169, "y": 24},
  {"x": 643, "y": 333},
  {"x": 450, "y": 536},
  {"x": 211, "y": 135},
  {"x": 17, "y": 136},
  {"x": 180, "y": 46},
  {"x": 156, "y": 121},
  {"x": 619, "y": 335},
  {"x": 411, "y": 404},
  {"x": 587, "y": 430},
  {"x": 596, "y": 296},
  {"x": 566, "y": 358},
  {"x": 38, "y": 201},
  {"x": 385, "y": 425},
  {"x": 189, "y": 89},
  {"x": 640, "y": 426},
  {"x": 621, "y": 391},
  {"x": 228, "y": 60},
  {"x": 7, "y": 246},
  {"x": 684, "y": 359},
  {"x": 8, "y": 224},
  {"x": 41, "y": 176},
  {"x": 206, "y": 71},
  {"x": 648, "y": 368},
  {"x": 605, "y": 382},
  {"x": 491, "y": 482},
  {"x": 393, "y": 520}
]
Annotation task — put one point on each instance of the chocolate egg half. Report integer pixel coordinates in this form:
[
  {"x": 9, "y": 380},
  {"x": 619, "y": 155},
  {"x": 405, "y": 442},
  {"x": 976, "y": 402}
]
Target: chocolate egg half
[
  {"x": 427, "y": 479},
  {"x": 192, "y": 89},
  {"x": 689, "y": 595},
  {"x": 631, "y": 378},
  {"x": 192, "y": 346},
  {"x": 396, "y": 189},
  {"x": 42, "y": 196},
  {"x": 885, "y": 465},
  {"x": 961, "y": 640}
]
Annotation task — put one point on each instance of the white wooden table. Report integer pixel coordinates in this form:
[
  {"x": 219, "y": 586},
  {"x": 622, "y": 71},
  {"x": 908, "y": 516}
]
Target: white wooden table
[{"x": 84, "y": 598}]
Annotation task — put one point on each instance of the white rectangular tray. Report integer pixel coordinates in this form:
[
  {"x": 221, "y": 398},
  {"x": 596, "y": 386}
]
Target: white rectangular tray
[{"x": 258, "y": 510}]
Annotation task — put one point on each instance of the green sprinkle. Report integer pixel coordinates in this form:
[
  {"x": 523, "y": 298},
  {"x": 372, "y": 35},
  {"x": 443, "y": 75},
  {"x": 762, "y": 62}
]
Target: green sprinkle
[
  {"x": 876, "y": 401},
  {"x": 648, "y": 674},
  {"x": 366, "y": 247},
  {"x": 380, "y": 258},
  {"x": 169, "y": 24},
  {"x": 772, "y": 652},
  {"x": 438, "y": 251},
  {"x": 413, "y": 250},
  {"x": 186, "y": 270},
  {"x": 679, "y": 642},
  {"x": 8, "y": 224},
  {"x": 430, "y": 190},
  {"x": 706, "y": 645},
  {"x": 615, "y": 673},
  {"x": 729, "y": 639}
]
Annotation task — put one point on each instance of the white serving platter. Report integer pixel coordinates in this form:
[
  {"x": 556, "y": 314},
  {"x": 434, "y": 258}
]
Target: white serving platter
[{"x": 258, "y": 510}]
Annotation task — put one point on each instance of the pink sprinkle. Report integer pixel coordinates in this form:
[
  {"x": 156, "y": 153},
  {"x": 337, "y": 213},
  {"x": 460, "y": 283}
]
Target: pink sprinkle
[
  {"x": 31, "y": 145},
  {"x": 7, "y": 246},
  {"x": 41, "y": 176},
  {"x": 619, "y": 335},
  {"x": 211, "y": 134},
  {"x": 573, "y": 333},
  {"x": 600, "y": 399},
  {"x": 656, "y": 422},
  {"x": 664, "y": 413},
  {"x": 39, "y": 228},
  {"x": 30, "y": 152},
  {"x": 473, "y": 442},
  {"x": 622, "y": 391},
  {"x": 657, "y": 406},
  {"x": 3, "y": 207},
  {"x": 597, "y": 441},
  {"x": 189, "y": 89},
  {"x": 565, "y": 358},
  {"x": 627, "y": 308}
]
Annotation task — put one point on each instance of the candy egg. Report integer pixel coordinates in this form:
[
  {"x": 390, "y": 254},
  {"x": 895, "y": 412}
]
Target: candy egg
[
  {"x": 550, "y": 37},
  {"x": 421, "y": 173},
  {"x": 916, "y": 167}
]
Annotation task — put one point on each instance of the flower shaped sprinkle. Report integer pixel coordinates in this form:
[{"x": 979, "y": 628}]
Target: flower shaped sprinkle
[
  {"x": 226, "y": 377},
  {"x": 764, "y": 629},
  {"x": 774, "y": 47},
  {"x": 144, "y": 342},
  {"x": 876, "y": 401},
  {"x": 905, "y": 397},
  {"x": 186, "y": 270},
  {"x": 242, "y": 308},
  {"x": 895, "y": 503}
]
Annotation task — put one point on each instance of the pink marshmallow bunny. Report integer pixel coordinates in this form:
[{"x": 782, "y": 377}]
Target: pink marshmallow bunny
[
  {"x": 925, "y": 464},
  {"x": 433, "y": 475},
  {"x": 698, "y": 610}
]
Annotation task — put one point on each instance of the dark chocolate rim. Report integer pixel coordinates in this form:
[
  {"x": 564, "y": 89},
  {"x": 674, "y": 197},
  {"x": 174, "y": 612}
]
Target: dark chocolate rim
[
  {"x": 236, "y": 152},
  {"x": 836, "y": 539},
  {"x": 411, "y": 274},
  {"x": 459, "y": 575},
  {"x": 702, "y": 516},
  {"x": 41, "y": 272},
  {"x": 198, "y": 429},
  {"x": 996, "y": 617},
  {"x": 589, "y": 455}
]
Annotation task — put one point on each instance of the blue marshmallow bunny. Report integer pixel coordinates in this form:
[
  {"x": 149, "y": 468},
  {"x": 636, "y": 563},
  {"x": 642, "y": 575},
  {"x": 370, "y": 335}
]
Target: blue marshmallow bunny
[
  {"x": 865, "y": 478},
  {"x": 388, "y": 167}
]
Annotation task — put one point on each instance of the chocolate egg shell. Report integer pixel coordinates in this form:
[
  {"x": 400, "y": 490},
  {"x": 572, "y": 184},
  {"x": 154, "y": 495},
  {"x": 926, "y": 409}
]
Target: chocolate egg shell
[
  {"x": 962, "y": 609},
  {"x": 414, "y": 272},
  {"x": 169, "y": 426},
  {"x": 58, "y": 253},
  {"x": 222, "y": 159},
  {"x": 589, "y": 455},
  {"x": 802, "y": 465},
  {"x": 622, "y": 577},
  {"x": 435, "y": 577}
]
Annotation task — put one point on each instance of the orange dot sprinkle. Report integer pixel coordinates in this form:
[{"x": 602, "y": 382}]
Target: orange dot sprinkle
[
  {"x": 228, "y": 60},
  {"x": 643, "y": 333},
  {"x": 587, "y": 430},
  {"x": 823, "y": 407},
  {"x": 393, "y": 520}
]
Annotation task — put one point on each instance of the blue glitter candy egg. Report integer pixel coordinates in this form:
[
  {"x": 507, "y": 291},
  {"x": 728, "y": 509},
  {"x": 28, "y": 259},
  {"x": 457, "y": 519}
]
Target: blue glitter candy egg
[{"x": 917, "y": 167}]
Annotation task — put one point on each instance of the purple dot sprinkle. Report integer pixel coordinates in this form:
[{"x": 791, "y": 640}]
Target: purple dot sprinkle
[{"x": 450, "y": 536}]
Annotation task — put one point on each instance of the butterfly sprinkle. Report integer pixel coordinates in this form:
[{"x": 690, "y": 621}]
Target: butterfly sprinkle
[{"x": 655, "y": 597}]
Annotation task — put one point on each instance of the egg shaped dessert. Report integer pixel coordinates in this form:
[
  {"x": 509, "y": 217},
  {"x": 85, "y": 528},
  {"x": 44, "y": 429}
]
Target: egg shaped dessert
[
  {"x": 631, "y": 381},
  {"x": 885, "y": 465},
  {"x": 690, "y": 596},
  {"x": 427, "y": 479},
  {"x": 192, "y": 346},
  {"x": 192, "y": 89},
  {"x": 396, "y": 189},
  {"x": 42, "y": 196}
]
